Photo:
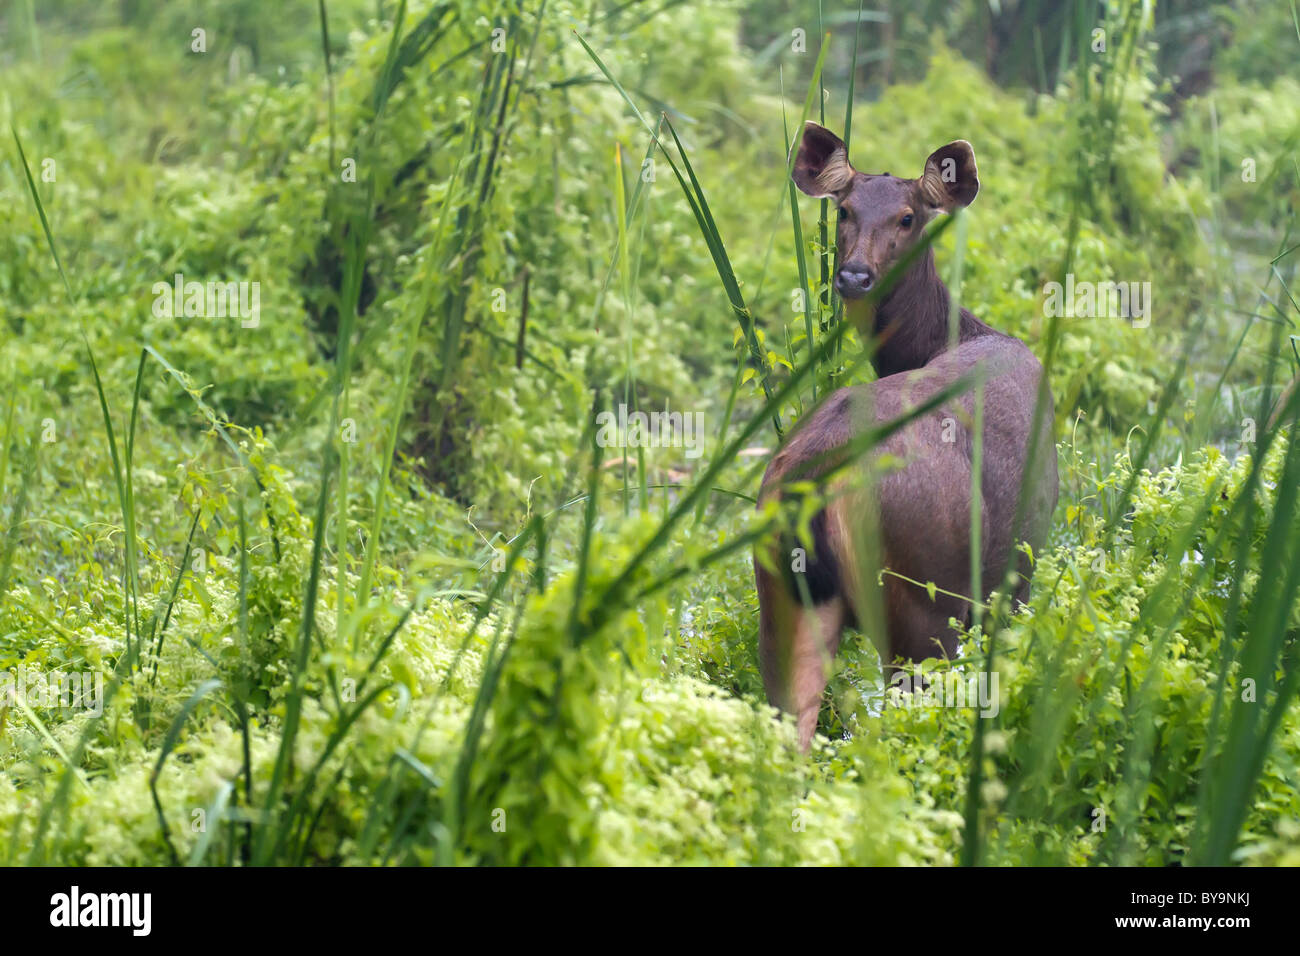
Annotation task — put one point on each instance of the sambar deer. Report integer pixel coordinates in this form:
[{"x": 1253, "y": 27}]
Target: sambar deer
[{"x": 920, "y": 511}]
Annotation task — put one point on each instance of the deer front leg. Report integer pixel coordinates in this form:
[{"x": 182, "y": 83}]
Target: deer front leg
[
  {"x": 918, "y": 626},
  {"x": 796, "y": 645}
]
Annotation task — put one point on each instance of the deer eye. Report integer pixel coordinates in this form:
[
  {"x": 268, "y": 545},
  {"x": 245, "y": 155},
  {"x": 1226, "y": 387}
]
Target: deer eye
[
  {"x": 906, "y": 221},
  {"x": 841, "y": 212}
]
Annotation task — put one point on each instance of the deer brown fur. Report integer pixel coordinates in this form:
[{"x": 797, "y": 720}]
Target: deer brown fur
[{"x": 909, "y": 512}]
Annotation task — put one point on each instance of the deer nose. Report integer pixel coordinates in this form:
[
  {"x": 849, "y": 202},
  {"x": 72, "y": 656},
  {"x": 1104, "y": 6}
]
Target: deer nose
[{"x": 853, "y": 282}]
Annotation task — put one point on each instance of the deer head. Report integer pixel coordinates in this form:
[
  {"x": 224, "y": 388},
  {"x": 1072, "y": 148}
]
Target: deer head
[{"x": 880, "y": 216}]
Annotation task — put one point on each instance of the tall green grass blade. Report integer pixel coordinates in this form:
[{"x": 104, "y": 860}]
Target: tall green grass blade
[
  {"x": 708, "y": 228},
  {"x": 40, "y": 210},
  {"x": 168, "y": 745}
]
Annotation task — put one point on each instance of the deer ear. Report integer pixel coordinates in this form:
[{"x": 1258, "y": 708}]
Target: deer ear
[
  {"x": 821, "y": 168},
  {"x": 950, "y": 178}
]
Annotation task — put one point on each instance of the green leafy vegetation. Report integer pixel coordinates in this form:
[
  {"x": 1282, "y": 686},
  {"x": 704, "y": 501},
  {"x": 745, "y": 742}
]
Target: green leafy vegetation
[{"x": 356, "y": 578}]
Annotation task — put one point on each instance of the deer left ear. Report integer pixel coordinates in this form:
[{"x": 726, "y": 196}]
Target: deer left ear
[
  {"x": 821, "y": 167},
  {"x": 950, "y": 178}
]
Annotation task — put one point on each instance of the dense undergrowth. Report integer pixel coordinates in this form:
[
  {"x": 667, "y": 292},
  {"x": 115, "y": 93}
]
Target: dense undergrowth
[{"x": 361, "y": 587}]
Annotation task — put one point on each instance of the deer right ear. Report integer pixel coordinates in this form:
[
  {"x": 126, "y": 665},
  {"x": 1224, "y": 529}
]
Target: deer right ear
[
  {"x": 950, "y": 178},
  {"x": 821, "y": 168}
]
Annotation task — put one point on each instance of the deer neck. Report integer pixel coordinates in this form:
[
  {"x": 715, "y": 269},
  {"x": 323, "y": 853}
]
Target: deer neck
[{"x": 910, "y": 324}]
